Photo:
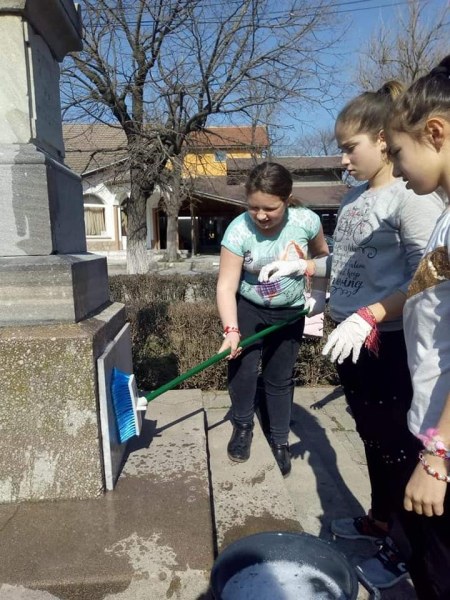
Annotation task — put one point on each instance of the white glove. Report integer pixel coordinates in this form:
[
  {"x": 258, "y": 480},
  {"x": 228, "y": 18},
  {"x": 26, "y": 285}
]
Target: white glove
[
  {"x": 316, "y": 302},
  {"x": 282, "y": 268},
  {"x": 349, "y": 336}
]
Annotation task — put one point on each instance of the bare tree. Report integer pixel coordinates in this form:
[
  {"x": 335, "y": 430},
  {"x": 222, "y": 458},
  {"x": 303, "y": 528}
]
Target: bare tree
[
  {"x": 320, "y": 142},
  {"x": 159, "y": 69},
  {"x": 177, "y": 187},
  {"x": 420, "y": 40}
]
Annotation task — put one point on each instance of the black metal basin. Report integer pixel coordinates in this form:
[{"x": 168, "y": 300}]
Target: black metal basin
[{"x": 300, "y": 548}]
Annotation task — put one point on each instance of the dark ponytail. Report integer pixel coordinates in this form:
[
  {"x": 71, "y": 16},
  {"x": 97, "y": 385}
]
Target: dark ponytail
[
  {"x": 367, "y": 112},
  {"x": 426, "y": 97}
]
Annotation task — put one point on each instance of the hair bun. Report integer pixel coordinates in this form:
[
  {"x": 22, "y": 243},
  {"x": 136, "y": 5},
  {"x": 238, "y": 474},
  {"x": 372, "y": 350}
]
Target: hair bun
[
  {"x": 441, "y": 71},
  {"x": 392, "y": 88}
]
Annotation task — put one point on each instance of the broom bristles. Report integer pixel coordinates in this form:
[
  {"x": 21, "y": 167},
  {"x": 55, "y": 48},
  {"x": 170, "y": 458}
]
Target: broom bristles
[{"x": 124, "y": 408}]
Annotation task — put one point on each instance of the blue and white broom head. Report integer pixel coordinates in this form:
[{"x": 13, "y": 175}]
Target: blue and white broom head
[{"x": 128, "y": 405}]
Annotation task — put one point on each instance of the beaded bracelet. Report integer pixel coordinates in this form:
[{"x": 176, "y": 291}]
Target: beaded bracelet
[
  {"x": 372, "y": 342},
  {"x": 429, "y": 469},
  {"x": 434, "y": 444},
  {"x": 229, "y": 329}
]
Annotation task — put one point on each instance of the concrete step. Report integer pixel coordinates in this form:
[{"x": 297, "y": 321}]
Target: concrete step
[{"x": 249, "y": 497}]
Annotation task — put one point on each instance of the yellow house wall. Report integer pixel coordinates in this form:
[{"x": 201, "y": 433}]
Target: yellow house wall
[{"x": 206, "y": 164}]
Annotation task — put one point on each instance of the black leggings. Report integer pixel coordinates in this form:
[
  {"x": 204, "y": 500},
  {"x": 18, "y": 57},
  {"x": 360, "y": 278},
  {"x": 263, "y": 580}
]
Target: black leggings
[
  {"x": 426, "y": 548},
  {"x": 379, "y": 393},
  {"x": 274, "y": 358}
]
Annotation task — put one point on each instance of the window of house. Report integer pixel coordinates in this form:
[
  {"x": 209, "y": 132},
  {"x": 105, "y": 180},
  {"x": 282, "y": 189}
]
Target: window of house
[
  {"x": 94, "y": 215},
  {"x": 220, "y": 156}
]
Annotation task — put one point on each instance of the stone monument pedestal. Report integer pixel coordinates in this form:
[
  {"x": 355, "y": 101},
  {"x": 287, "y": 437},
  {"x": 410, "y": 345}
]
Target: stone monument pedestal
[
  {"x": 56, "y": 318},
  {"x": 49, "y": 413},
  {"x": 45, "y": 289}
]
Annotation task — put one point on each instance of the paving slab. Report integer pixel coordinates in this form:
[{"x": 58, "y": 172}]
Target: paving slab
[
  {"x": 248, "y": 497},
  {"x": 151, "y": 538},
  {"x": 329, "y": 478}
]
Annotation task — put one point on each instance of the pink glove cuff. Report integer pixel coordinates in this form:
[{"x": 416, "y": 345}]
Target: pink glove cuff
[{"x": 372, "y": 342}]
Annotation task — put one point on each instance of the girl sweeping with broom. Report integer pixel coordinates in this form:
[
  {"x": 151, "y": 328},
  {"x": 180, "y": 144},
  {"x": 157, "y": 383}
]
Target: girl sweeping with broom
[{"x": 273, "y": 228}]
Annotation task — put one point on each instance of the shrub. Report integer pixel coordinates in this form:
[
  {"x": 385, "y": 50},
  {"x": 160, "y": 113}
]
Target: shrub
[{"x": 175, "y": 326}]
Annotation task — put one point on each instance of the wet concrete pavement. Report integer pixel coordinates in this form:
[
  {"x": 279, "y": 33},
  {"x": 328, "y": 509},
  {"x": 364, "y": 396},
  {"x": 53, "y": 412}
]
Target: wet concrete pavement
[{"x": 179, "y": 501}]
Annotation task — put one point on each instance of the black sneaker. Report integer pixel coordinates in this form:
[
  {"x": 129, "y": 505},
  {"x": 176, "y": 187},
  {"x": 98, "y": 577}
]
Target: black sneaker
[
  {"x": 357, "y": 528},
  {"x": 385, "y": 569},
  {"x": 283, "y": 457},
  {"x": 241, "y": 439}
]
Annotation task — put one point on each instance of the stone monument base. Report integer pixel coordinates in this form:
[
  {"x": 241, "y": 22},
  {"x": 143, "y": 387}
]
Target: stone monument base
[
  {"x": 45, "y": 289},
  {"x": 41, "y": 200},
  {"x": 51, "y": 446}
]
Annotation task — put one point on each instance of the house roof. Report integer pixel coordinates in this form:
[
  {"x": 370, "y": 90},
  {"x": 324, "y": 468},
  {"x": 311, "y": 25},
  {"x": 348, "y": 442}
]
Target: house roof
[
  {"x": 90, "y": 147},
  {"x": 230, "y": 137},
  {"x": 292, "y": 163},
  {"x": 318, "y": 196},
  {"x": 93, "y": 147},
  {"x": 98, "y": 146},
  {"x": 313, "y": 196}
]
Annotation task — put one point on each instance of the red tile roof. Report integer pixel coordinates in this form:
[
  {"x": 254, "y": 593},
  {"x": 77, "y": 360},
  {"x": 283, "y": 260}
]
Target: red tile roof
[
  {"x": 314, "y": 196},
  {"x": 95, "y": 146},
  {"x": 230, "y": 137}
]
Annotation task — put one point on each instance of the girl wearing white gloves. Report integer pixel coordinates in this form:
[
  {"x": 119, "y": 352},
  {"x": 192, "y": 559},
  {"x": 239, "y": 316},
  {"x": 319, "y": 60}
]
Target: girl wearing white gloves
[
  {"x": 272, "y": 229},
  {"x": 418, "y": 135},
  {"x": 381, "y": 233}
]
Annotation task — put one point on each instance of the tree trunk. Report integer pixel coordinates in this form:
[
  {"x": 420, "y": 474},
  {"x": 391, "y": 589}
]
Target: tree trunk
[
  {"x": 193, "y": 231},
  {"x": 172, "y": 236},
  {"x": 138, "y": 256}
]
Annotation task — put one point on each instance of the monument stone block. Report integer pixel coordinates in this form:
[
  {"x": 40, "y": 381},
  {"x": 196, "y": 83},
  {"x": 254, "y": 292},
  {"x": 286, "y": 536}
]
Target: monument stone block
[
  {"x": 56, "y": 318},
  {"x": 51, "y": 439}
]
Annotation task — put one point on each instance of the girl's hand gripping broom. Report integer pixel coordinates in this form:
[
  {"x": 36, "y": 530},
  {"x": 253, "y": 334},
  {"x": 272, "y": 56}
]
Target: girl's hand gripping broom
[{"x": 127, "y": 402}]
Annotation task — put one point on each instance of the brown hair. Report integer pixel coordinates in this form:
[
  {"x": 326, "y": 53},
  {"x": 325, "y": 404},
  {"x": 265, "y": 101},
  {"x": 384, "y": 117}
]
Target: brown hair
[
  {"x": 270, "y": 178},
  {"x": 426, "y": 97},
  {"x": 367, "y": 112}
]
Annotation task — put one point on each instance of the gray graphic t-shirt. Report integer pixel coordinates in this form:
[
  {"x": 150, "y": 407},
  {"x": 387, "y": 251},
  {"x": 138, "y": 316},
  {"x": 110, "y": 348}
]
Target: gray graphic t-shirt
[
  {"x": 379, "y": 240},
  {"x": 242, "y": 237},
  {"x": 427, "y": 327}
]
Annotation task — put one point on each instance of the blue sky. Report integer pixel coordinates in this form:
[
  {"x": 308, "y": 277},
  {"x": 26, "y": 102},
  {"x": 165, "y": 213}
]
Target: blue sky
[{"x": 363, "y": 18}]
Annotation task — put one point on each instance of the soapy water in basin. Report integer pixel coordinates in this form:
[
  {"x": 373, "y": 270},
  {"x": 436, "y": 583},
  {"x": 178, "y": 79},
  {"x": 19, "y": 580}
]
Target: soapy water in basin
[{"x": 281, "y": 580}]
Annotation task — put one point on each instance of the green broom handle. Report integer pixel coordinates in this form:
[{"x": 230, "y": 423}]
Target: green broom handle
[{"x": 217, "y": 357}]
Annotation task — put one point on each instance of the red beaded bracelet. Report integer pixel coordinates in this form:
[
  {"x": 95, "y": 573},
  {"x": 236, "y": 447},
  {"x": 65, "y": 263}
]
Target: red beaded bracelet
[
  {"x": 429, "y": 469},
  {"x": 434, "y": 444},
  {"x": 229, "y": 329}
]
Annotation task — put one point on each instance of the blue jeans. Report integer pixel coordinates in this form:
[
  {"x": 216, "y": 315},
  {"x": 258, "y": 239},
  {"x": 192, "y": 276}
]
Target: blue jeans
[{"x": 273, "y": 357}]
